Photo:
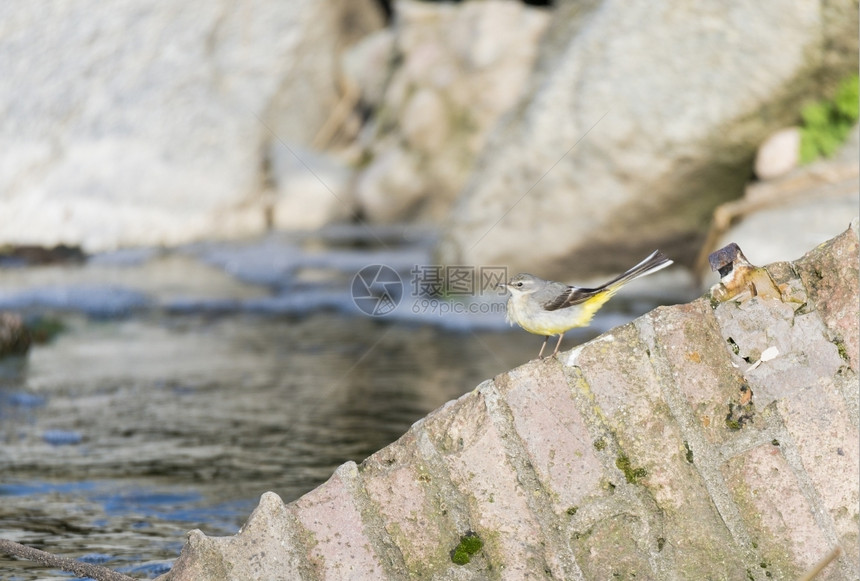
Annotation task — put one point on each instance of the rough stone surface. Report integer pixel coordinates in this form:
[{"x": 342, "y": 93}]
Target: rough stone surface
[
  {"x": 202, "y": 557},
  {"x": 554, "y": 433},
  {"x": 830, "y": 275},
  {"x": 805, "y": 354},
  {"x": 413, "y": 507},
  {"x": 769, "y": 496},
  {"x": 474, "y": 452},
  {"x": 650, "y": 451},
  {"x": 613, "y": 545},
  {"x": 655, "y": 451},
  {"x": 339, "y": 547},
  {"x": 705, "y": 377},
  {"x": 147, "y": 123},
  {"x": 643, "y": 119},
  {"x": 829, "y": 448}
]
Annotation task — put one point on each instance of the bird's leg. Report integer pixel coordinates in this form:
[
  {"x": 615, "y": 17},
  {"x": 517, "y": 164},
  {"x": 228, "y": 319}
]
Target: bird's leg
[
  {"x": 557, "y": 345},
  {"x": 545, "y": 339}
]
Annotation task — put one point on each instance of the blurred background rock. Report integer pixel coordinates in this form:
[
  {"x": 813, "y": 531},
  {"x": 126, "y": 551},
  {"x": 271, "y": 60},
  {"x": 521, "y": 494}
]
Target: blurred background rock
[{"x": 566, "y": 138}]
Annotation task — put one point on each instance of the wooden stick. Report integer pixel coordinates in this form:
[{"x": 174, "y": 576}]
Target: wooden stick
[{"x": 79, "y": 568}]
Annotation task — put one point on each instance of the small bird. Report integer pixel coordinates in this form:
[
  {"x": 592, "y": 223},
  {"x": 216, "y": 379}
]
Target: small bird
[{"x": 545, "y": 307}]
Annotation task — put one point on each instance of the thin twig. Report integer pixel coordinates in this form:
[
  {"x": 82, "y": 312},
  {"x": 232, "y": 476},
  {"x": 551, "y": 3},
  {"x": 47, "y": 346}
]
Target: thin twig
[
  {"x": 336, "y": 119},
  {"x": 819, "y": 567},
  {"x": 80, "y": 569}
]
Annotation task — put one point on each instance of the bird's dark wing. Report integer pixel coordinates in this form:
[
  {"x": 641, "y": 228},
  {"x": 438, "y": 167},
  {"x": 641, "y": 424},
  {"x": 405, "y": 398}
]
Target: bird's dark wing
[{"x": 574, "y": 295}]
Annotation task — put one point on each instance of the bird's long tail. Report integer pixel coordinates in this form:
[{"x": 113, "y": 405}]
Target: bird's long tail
[
  {"x": 594, "y": 298},
  {"x": 656, "y": 261}
]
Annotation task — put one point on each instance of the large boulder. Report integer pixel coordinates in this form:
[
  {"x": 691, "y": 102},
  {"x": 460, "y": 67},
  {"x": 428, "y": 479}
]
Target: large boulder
[
  {"x": 153, "y": 122},
  {"x": 640, "y": 119},
  {"x": 615, "y": 460},
  {"x": 453, "y": 70}
]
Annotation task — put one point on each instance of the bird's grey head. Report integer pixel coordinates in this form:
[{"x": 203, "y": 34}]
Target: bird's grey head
[{"x": 523, "y": 284}]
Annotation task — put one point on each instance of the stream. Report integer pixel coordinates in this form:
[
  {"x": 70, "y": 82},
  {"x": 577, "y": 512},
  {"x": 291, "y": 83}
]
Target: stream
[{"x": 182, "y": 384}]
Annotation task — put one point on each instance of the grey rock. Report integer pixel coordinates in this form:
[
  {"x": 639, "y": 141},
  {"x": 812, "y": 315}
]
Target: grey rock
[
  {"x": 641, "y": 118},
  {"x": 615, "y": 456},
  {"x": 203, "y": 557},
  {"x": 803, "y": 352}
]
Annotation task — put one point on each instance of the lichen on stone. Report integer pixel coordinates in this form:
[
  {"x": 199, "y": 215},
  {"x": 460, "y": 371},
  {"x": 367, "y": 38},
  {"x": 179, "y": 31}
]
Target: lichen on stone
[{"x": 632, "y": 474}]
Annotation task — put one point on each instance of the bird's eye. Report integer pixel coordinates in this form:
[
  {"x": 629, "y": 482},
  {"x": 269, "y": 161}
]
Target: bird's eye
[{"x": 520, "y": 284}]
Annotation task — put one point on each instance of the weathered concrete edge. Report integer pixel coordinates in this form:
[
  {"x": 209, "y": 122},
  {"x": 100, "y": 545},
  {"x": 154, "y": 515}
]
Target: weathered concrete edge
[{"x": 479, "y": 464}]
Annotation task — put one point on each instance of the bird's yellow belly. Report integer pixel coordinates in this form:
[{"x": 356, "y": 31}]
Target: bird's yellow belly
[{"x": 543, "y": 322}]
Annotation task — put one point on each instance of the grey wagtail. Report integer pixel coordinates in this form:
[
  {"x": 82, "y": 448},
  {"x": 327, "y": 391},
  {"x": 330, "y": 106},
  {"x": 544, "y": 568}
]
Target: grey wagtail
[{"x": 544, "y": 307}]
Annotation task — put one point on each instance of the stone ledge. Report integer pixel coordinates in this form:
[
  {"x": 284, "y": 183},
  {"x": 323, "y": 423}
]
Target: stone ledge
[{"x": 661, "y": 449}]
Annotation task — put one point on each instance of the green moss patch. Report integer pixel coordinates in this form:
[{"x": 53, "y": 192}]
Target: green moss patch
[{"x": 470, "y": 543}]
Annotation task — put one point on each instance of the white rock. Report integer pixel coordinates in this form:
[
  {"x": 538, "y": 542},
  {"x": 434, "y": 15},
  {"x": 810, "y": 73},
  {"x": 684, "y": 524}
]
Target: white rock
[
  {"x": 425, "y": 121},
  {"x": 145, "y": 122},
  {"x": 368, "y": 64},
  {"x": 779, "y": 154},
  {"x": 391, "y": 188}
]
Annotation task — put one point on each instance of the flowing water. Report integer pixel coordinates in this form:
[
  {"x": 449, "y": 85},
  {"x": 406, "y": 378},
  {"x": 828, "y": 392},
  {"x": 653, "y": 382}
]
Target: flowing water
[{"x": 184, "y": 384}]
